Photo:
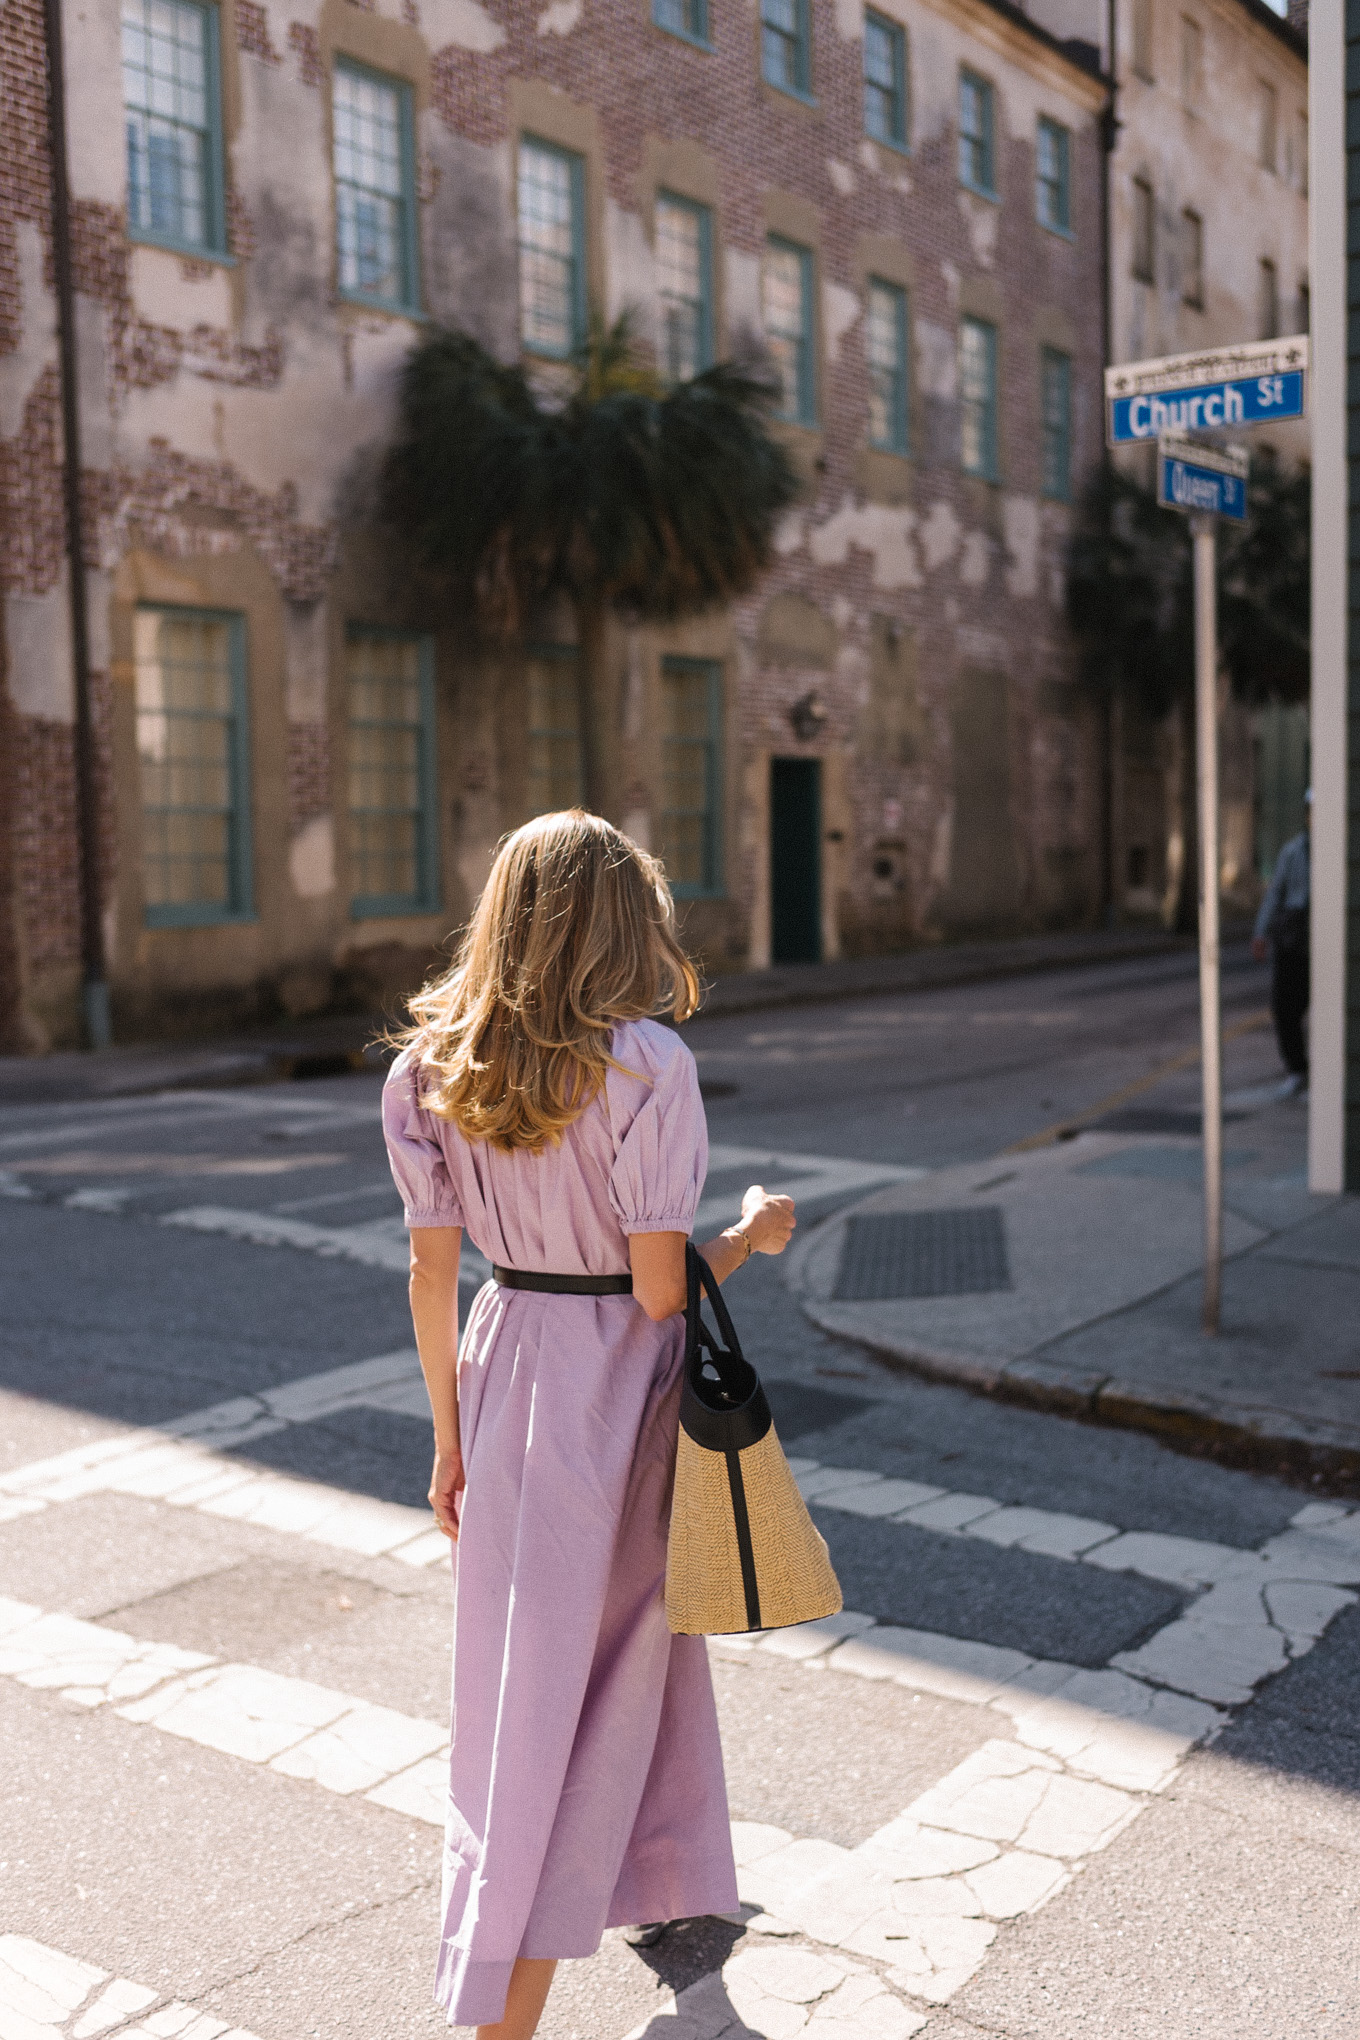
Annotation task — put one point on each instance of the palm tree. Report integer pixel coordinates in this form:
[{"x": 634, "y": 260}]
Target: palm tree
[{"x": 612, "y": 490}]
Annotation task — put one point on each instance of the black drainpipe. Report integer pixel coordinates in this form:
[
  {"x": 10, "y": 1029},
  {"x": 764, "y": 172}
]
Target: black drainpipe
[
  {"x": 1109, "y": 138},
  {"x": 95, "y": 985}
]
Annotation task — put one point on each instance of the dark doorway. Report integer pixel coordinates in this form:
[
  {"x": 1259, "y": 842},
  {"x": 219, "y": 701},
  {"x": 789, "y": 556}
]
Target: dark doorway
[{"x": 796, "y": 860}]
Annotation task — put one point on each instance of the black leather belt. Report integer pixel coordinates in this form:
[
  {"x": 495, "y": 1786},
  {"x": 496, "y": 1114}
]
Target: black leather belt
[{"x": 564, "y": 1285}]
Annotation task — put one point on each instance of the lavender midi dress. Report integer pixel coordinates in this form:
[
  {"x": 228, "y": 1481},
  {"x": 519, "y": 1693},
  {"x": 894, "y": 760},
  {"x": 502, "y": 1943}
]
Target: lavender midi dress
[{"x": 585, "y": 1781}]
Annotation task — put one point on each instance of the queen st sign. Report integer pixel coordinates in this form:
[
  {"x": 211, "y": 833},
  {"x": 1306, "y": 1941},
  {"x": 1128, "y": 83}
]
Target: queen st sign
[{"x": 1217, "y": 388}]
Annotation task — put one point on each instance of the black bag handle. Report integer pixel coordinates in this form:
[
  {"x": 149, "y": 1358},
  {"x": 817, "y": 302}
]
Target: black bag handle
[{"x": 722, "y": 1404}]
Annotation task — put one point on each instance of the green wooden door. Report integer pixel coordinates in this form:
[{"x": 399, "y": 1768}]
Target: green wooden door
[{"x": 796, "y": 860}]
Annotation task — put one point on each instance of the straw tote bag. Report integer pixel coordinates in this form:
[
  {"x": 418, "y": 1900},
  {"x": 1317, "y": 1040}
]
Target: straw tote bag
[{"x": 744, "y": 1553}]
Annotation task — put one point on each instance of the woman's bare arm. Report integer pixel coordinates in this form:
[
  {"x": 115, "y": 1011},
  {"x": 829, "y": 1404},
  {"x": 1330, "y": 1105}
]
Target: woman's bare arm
[
  {"x": 435, "y": 1252},
  {"x": 658, "y": 1259}
]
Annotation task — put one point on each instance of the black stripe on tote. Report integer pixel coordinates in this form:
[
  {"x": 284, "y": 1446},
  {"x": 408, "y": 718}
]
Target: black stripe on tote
[{"x": 745, "y": 1552}]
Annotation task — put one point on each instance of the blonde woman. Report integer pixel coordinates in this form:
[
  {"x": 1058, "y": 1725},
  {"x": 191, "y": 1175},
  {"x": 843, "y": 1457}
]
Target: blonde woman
[{"x": 538, "y": 1104}]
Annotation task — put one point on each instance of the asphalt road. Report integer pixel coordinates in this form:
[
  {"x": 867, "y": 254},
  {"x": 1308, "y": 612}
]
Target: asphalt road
[{"x": 163, "y": 1256}]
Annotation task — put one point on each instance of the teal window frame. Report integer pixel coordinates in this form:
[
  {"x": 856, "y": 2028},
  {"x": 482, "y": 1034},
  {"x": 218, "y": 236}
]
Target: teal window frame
[
  {"x": 409, "y": 299},
  {"x": 977, "y": 148},
  {"x": 577, "y": 291},
  {"x": 713, "y": 883},
  {"x": 987, "y": 468},
  {"x": 214, "y": 242},
  {"x": 875, "y": 91},
  {"x": 425, "y": 897},
  {"x": 1055, "y": 402},
  {"x": 804, "y": 411},
  {"x": 703, "y": 215},
  {"x": 547, "y": 653},
  {"x": 240, "y": 906},
  {"x": 898, "y": 439},
  {"x": 687, "y": 19},
  {"x": 1053, "y": 189},
  {"x": 779, "y": 40}
]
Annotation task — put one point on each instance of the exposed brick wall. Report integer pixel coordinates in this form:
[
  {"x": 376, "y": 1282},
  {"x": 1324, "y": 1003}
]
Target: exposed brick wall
[
  {"x": 309, "y": 772},
  {"x": 148, "y": 504},
  {"x": 252, "y": 32},
  {"x": 25, "y": 173},
  {"x": 32, "y": 517},
  {"x": 304, "y": 40},
  {"x": 46, "y": 839}
]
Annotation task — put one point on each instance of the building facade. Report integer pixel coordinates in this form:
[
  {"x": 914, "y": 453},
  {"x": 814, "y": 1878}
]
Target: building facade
[{"x": 302, "y": 771}]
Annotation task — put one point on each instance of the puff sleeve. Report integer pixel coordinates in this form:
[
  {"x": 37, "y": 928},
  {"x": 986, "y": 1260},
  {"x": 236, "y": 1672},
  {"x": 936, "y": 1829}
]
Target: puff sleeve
[
  {"x": 420, "y": 1169},
  {"x": 662, "y": 1159}
]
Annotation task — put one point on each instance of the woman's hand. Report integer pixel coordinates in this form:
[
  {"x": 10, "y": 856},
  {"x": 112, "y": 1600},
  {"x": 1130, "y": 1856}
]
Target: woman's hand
[
  {"x": 447, "y": 1483},
  {"x": 767, "y": 1221}
]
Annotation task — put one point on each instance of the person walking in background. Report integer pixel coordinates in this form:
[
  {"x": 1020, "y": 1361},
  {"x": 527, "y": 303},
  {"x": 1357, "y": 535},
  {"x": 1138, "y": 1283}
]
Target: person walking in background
[
  {"x": 538, "y": 1104},
  {"x": 1282, "y": 927}
]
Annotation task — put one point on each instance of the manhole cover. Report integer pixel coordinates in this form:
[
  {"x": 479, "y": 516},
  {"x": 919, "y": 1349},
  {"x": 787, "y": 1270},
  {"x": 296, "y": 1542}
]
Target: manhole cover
[{"x": 923, "y": 1253}]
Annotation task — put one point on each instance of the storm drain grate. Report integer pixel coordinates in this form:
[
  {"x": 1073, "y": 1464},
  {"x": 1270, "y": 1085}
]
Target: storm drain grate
[{"x": 923, "y": 1253}]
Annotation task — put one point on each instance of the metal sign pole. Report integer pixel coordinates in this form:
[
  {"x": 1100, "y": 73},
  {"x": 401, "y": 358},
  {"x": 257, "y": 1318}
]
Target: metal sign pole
[{"x": 1210, "y": 1010}]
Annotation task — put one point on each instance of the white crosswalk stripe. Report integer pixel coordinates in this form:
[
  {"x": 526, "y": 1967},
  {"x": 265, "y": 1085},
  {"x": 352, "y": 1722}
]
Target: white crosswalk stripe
[{"x": 45, "y": 1993}]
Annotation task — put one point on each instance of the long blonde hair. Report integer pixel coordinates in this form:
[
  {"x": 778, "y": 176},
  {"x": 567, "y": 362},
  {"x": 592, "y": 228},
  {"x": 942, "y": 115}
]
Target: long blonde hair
[{"x": 575, "y": 930}]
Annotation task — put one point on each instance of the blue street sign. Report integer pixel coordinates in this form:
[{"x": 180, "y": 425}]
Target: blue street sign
[
  {"x": 1249, "y": 400},
  {"x": 1190, "y": 485}
]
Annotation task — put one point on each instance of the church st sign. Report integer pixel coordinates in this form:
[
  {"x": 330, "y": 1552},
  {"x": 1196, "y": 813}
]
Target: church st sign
[{"x": 1210, "y": 391}]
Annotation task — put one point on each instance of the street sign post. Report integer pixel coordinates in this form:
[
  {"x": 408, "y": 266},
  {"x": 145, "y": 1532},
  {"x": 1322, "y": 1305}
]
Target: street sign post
[
  {"x": 1212, "y": 391},
  {"x": 1165, "y": 400},
  {"x": 1208, "y": 479}
]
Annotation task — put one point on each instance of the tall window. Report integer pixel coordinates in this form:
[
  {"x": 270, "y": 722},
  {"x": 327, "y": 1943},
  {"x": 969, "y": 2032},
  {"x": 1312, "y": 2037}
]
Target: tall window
[
  {"x": 375, "y": 200},
  {"x": 1055, "y": 374},
  {"x": 552, "y": 270},
  {"x": 1301, "y": 152},
  {"x": 555, "y": 779},
  {"x": 193, "y": 755},
  {"x": 977, "y": 398},
  {"x": 786, "y": 45},
  {"x": 1268, "y": 300},
  {"x": 977, "y": 132},
  {"x": 786, "y": 293},
  {"x": 393, "y": 831},
  {"x": 885, "y": 81},
  {"x": 1192, "y": 63},
  {"x": 1144, "y": 231},
  {"x": 684, "y": 275},
  {"x": 172, "y": 111},
  {"x": 1192, "y": 259},
  {"x": 1267, "y": 126},
  {"x": 691, "y": 770},
  {"x": 1142, "y": 39},
  {"x": 887, "y": 350},
  {"x": 1053, "y": 176},
  {"x": 1305, "y": 306},
  {"x": 688, "y": 18}
]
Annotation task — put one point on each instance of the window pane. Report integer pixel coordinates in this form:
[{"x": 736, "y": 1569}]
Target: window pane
[
  {"x": 884, "y": 80},
  {"x": 555, "y": 779},
  {"x": 784, "y": 52},
  {"x": 1192, "y": 258},
  {"x": 1051, "y": 176},
  {"x": 168, "y": 119},
  {"x": 549, "y": 239},
  {"x": 370, "y": 196},
  {"x": 690, "y": 774},
  {"x": 785, "y": 289},
  {"x": 388, "y": 757},
  {"x": 1269, "y": 314},
  {"x": 683, "y": 287},
  {"x": 1144, "y": 219},
  {"x": 977, "y": 397},
  {"x": 1057, "y": 419},
  {"x": 975, "y": 131},
  {"x": 887, "y": 350},
  {"x": 186, "y": 731},
  {"x": 684, "y": 17}
]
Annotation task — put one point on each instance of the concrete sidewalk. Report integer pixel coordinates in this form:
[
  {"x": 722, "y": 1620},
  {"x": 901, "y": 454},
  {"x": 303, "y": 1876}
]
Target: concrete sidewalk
[{"x": 1077, "y": 1271}]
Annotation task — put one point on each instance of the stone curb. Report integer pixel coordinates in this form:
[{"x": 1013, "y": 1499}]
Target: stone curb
[
  {"x": 1254, "y": 1438},
  {"x": 921, "y": 970},
  {"x": 1191, "y": 1424}
]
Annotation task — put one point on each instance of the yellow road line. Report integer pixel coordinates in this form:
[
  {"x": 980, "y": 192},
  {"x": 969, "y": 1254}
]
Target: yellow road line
[{"x": 1184, "y": 1061}]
